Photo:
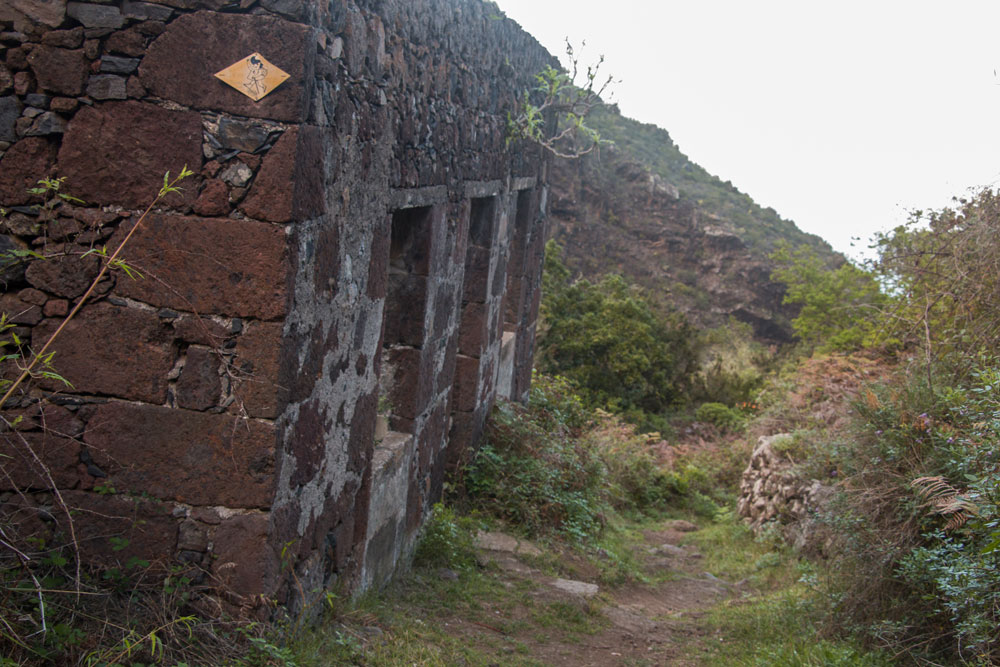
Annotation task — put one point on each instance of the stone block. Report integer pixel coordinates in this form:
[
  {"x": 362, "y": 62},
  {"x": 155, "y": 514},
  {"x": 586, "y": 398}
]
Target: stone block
[
  {"x": 10, "y": 111},
  {"x": 66, "y": 39},
  {"x": 201, "y": 331},
  {"x": 228, "y": 267},
  {"x": 245, "y": 562},
  {"x": 199, "y": 386},
  {"x": 145, "y": 11},
  {"x": 119, "y": 65},
  {"x": 59, "y": 71},
  {"x": 111, "y": 351},
  {"x": 241, "y": 135},
  {"x": 405, "y": 310},
  {"x": 290, "y": 183},
  {"x": 466, "y": 384},
  {"x": 477, "y": 273},
  {"x": 22, "y": 166},
  {"x": 6, "y": 80},
  {"x": 191, "y": 457},
  {"x": 50, "y": 12},
  {"x": 259, "y": 386},
  {"x": 409, "y": 393},
  {"x": 180, "y": 65},
  {"x": 36, "y": 460},
  {"x": 213, "y": 200},
  {"x": 95, "y": 16},
  {"x": 107, "y": 87},
  {"x": 128, "y": 42},
  {"x": 45, "y": 124},
  {"x": 144, "y": 528},
  {"x": 19, "y": 312},
  {"x": 118, "y": 152},
  {"x": 67, "y": 276},
  {"x": 472, "y": 329}
]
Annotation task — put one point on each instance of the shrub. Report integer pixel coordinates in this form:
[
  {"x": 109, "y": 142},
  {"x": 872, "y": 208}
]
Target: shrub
[
  {"x": 840, "y": 309},
  {"x": 448, "y": 540},
  {"x": 919, "y": 522},
  {"x": 606, "y": 337},
  {"x": 532, "y": 471},
  {"x": 721, "y": 416}
]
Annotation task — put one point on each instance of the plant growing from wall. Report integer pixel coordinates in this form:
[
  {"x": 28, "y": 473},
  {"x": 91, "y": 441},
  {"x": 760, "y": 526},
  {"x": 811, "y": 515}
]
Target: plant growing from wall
[{"x": 554, "y": 113}]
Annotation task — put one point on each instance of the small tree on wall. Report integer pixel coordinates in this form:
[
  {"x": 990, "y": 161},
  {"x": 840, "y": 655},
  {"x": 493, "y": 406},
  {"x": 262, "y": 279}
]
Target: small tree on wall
[{"x": 558, "y": 101}]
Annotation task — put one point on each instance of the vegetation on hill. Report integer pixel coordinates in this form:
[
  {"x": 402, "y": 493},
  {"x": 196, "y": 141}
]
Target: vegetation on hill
[{"x": 762, "y": 228}]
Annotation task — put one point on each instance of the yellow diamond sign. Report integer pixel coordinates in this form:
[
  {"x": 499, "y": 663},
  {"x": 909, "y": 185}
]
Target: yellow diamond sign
[{"x": 253, "y": 76}]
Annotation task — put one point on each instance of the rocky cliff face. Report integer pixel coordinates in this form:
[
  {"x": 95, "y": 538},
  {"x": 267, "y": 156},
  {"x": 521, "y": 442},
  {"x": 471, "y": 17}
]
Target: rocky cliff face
[{"x": 642, "y": 209}]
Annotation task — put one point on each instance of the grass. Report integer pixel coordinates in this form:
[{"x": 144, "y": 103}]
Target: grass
[{"x": 776, "y": 621}]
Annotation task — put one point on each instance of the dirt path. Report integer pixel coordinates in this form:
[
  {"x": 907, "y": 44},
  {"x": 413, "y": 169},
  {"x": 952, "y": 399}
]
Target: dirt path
[{"x": 539, "y": 619}]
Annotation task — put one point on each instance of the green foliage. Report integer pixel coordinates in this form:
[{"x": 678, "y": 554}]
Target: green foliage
[
  {"x": 621, "y": 354},
  {"x": 554, "y": 114},
  {"x": 841, "y": 309},
  {"x": 944, "y": 269},
  {"x": 921, "y": 517},
  {"x": 448, "y": 540},
  {"x": 533, "y": 472},
  {"x": 732, "y": 365},
  {"x": 721, "y": 416}
]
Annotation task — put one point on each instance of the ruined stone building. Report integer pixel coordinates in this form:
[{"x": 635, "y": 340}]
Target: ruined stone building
[{"x": 327, "y": 311}]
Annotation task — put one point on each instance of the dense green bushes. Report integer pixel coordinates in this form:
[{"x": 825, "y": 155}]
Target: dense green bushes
[
  {"x": 918, "y": 526},
  {"x": 620, "y": 353},
  {"x": 920, "y": 522}
]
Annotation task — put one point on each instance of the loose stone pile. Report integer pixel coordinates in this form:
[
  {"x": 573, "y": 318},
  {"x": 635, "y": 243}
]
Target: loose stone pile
[{"x": 774, "y": 493}]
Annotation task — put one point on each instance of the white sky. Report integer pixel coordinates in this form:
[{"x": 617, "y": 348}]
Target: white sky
[{"x": 843, "y": 116}]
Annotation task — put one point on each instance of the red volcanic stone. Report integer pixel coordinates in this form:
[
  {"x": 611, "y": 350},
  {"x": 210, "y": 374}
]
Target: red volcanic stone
[
  {"x": 200, "y": 330},
  {"x": 199, "y": 385},
  {"x": 144, "y": 528},
  {"x": 244, "y": 560},
  {"x": 111, "y": 350},
  {"x": 36, "y": 460},
  {"x": 180, "y": 65},
  {"x": 258, "y": 386},
  {"x": 472, "y": 330},
  {"x": 289, "y": 185},
  {"x": 22, "y": 166},
  {"x": 67, "y": 276},
  {"x": 191, "y": 457},
  {"x": 477, "y": 272},
  {"x": 60, "y": 71},
  {"x": 229, "y": 267},
  {"x": 213, "y": 200},
  {"x": 118, "y": 152},
  {"x": 466, "y": 381},
  {"x": 18, "y": 311},
  {"x": 129, "y": 42}
]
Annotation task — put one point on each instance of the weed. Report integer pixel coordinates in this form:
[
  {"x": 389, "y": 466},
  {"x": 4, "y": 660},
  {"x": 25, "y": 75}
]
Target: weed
[{"x": 447, "y": 541}]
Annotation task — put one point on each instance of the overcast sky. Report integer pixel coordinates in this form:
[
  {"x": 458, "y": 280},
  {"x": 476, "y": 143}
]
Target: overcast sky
[{"x": 842, "y": 116}]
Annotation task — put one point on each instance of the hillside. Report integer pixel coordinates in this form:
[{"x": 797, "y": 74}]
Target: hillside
[{"x": 643, "y": 209}]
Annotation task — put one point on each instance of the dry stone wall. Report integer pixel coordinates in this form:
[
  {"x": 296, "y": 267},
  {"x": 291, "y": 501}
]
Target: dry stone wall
[
  {"x": 775, "y": 493},
  {"x": 359, "y": 247}
]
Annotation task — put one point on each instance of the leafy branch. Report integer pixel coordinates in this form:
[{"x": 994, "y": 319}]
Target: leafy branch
[{"x": 564, "y": 103}]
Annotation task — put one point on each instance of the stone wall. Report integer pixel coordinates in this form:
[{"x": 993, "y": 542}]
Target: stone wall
[
  {"x": 359, "y": 248},
  {"x": 775, "y": 493}
]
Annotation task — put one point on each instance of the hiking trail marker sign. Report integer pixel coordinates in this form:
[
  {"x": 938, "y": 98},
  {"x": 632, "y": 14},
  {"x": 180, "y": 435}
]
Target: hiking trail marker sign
[{"x": 253, "y": 76}]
